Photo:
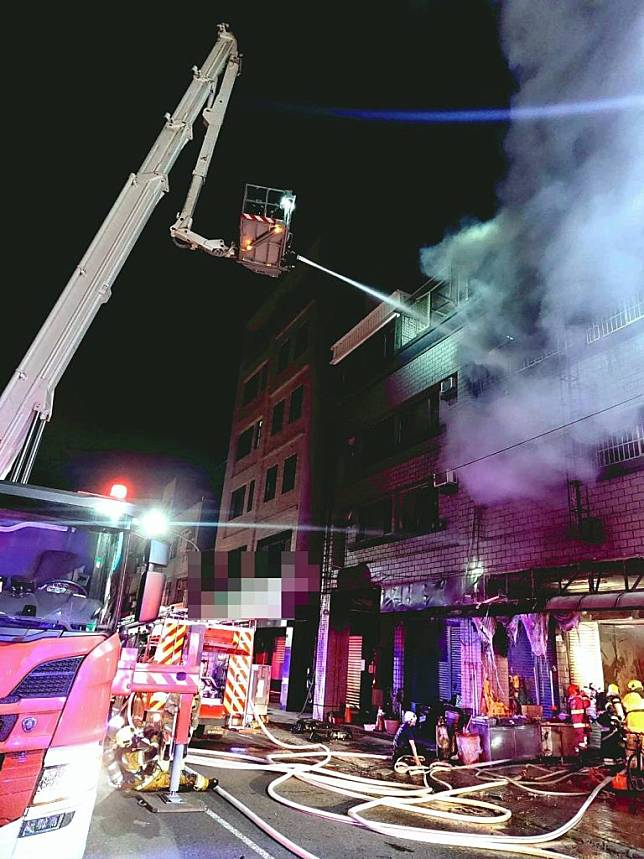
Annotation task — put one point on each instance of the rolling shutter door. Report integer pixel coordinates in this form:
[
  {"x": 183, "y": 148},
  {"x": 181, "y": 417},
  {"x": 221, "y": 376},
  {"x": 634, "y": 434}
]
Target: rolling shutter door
[
  {"x": 585, "y": 655},
  {"x": 449, "y": 666},
  {"x": 278, "y": 657},
  {"x": 354, "y": 670}
]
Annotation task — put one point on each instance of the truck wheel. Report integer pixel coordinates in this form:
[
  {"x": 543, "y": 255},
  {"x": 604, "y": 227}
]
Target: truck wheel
[{"x": 199, "y": 732}]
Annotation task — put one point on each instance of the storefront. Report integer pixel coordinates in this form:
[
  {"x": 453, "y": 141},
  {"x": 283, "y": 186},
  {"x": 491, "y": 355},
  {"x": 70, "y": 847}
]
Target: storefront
[{"x": 606, "y": 642}]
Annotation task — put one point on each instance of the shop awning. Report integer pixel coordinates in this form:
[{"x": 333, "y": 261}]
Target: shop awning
[{"x": 616, "y": 601}]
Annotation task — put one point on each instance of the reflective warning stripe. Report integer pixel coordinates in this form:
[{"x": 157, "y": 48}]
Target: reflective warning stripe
[
  {"x": 237, "y": 683},
  {"x": 261, "y": 218},
  {"x": 171, "y": 644}
]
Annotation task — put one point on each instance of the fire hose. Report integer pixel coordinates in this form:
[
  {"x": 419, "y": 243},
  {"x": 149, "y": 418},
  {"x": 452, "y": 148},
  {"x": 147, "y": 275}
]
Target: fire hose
[{"x": 408, "y": 798}]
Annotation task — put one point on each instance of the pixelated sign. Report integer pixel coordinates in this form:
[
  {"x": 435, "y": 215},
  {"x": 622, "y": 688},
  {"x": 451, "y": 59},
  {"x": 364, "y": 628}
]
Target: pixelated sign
[{"x": 250, "y": 585}]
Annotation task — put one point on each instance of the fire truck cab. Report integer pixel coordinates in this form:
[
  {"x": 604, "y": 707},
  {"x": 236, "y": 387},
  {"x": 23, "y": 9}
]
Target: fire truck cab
[{"x": 63, "y": 574}]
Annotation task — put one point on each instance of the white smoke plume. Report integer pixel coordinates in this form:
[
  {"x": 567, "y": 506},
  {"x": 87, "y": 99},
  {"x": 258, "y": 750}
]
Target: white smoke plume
[{"x": 565, "y": 249}]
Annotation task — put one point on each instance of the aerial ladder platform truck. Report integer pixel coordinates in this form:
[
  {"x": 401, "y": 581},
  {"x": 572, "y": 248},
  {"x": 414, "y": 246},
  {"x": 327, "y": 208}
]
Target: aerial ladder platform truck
[{"x": 64, "y": 555}]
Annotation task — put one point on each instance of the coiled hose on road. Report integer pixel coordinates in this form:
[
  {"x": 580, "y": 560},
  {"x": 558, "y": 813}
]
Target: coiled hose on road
[{"x": 373, "y": 794}]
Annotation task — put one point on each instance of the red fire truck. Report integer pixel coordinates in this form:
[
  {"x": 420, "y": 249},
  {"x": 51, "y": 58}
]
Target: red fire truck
[{"x": 63, "y": 556}]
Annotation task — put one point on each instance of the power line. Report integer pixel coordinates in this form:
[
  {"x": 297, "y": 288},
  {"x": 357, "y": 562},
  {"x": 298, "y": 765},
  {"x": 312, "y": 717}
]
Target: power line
[{"x": 547, "y": 432}]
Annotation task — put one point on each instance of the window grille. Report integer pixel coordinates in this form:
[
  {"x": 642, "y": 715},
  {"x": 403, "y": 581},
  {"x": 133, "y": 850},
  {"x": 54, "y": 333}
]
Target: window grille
[
  {"x": 626, "y": 315},
  {"x": 621, "y": 447}
]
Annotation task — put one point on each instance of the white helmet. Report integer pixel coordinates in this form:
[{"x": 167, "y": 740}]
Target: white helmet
[{"x": 409, "y": 716}]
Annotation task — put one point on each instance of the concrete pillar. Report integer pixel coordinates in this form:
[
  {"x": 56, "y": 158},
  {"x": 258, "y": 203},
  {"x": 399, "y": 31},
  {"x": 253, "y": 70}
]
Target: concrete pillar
[{"x": 331, "y": 662}]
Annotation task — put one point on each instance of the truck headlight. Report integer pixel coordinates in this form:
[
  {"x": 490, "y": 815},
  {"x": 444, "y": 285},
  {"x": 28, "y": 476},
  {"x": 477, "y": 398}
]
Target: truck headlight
[{"x": 63, "y": 781}]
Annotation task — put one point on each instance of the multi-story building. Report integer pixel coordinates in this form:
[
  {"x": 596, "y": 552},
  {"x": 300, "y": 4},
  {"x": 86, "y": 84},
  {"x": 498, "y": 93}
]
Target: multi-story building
[
  {"x": 274, "y": 494},
  {"x": 455, "y": 559}
]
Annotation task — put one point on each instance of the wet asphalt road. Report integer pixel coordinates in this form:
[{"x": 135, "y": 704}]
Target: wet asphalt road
[{"x": 122, "y": 828}]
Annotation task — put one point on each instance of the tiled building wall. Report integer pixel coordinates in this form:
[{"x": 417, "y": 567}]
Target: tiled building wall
[{"x": 511, "y": 536}]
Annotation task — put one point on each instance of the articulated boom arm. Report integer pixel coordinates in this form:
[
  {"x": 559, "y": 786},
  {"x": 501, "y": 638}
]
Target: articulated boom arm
[{"x": 27, "y": 401}]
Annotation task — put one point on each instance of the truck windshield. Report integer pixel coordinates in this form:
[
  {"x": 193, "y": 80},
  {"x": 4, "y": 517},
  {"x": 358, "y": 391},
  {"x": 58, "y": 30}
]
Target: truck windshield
[{"x": 60, "y": 567}]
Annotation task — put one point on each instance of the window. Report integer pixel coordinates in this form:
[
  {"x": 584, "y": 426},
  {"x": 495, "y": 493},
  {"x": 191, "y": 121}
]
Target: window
[
  {"x": 237, "y": 502},
  {"x": 412, "y": 424},
  {"x": 271, "y": 483},
  {"x": 375, "y": 519},
  {"x": 379, "y": 440},
  {"x": 283, "y": 356},
  {"x": 301, "y": 341},
  {"x": 251, "y": 496},
  {"x": 245, "y": 443},
  {"x": 235, "y": 562},
  {"x": 288, "y": 475},
  {"x": 249, "y": 440},
  {"x": 417, "y": 510},
  {"x": 295, "y": 405},
  {"x": 277, "y": 420},
  {"x": 254, "y": 386},
  {"x": 621, "y": 446},
  {"x": 268, "y": 559},
  {"x": 419, "y": 421}
]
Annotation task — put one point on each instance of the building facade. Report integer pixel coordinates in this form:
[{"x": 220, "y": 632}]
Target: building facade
[
  {"x": 275, "y": 489},
  {"x": 461, "y": 565}
]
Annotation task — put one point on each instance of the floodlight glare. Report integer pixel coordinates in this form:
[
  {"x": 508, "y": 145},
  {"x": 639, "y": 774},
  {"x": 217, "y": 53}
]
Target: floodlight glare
[
  {"x": 154, "y": 523},
  {"x": 287, "y": 203}
]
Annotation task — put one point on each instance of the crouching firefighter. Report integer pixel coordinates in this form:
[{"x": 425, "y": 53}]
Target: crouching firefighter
[
  {"x": 138, "y": 757},
  {"x": 405, "y": 740}
]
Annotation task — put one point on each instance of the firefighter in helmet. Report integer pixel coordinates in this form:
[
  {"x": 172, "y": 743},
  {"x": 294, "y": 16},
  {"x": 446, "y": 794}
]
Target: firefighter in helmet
[
  {"x": 614, "y": 702},
  {"x": 633, "y": 703},
  {"x": 578, "y": 714}
]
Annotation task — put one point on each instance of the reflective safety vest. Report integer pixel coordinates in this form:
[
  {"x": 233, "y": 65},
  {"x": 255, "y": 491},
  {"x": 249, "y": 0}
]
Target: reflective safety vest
[{"x": 634, "y": 706}]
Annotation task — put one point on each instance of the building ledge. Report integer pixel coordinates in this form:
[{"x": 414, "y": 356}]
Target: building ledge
[{"x": 367, "y": 327}]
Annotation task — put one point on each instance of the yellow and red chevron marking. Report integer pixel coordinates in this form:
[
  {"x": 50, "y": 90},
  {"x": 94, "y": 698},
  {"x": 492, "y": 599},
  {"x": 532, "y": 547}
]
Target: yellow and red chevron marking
[
  {"x": 156, "y": 701},
  {"x": 170, "y": 647},
  {"x": 237, "y": 683},
  {"x": 243, "y": 640}
]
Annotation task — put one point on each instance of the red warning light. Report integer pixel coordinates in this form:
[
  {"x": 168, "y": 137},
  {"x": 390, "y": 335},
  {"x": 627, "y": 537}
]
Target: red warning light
[{"x": 119, "y": 491}]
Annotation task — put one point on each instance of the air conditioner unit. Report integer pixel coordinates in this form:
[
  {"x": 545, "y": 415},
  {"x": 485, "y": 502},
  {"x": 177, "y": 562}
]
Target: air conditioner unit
[
  {"x": 448, "y": 388},
  {"x": 446, "y": 481}
]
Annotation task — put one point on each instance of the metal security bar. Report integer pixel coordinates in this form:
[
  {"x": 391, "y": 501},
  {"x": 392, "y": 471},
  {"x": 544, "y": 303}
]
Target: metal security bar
[
  {"x": 621, "y": 447},
  {"x": 626, "y": 315}
]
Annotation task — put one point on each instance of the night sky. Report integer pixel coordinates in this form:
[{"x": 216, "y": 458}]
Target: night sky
[{"x": 150, "y": 391}]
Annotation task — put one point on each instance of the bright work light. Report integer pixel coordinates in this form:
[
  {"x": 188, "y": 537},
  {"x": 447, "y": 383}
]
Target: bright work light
[{"x": 154, "y": 523}]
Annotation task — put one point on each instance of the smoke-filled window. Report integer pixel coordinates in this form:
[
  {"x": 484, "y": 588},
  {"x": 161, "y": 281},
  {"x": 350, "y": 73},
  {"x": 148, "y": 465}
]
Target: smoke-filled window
[
  {"x": 375, "y": 519},
  {"x": 380, "y": 440},
  {"x": 419, "y": 421},
  {"x": 417, "y": 510}
]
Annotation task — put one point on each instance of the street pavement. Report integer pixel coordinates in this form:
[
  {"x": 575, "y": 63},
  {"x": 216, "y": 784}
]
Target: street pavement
[{"x": 122, "y": 828}]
